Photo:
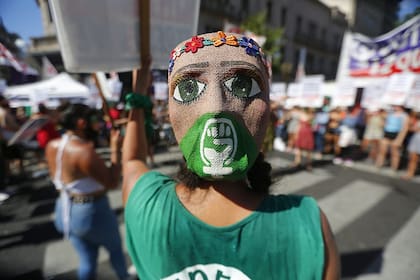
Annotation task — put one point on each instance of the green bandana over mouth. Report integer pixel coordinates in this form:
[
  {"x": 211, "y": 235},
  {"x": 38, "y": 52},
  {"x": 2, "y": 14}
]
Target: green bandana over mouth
[{"x": 219, "y": 147}]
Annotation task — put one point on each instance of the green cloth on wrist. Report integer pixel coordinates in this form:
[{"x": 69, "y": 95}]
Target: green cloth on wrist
[{"x": 136, "y": 101}]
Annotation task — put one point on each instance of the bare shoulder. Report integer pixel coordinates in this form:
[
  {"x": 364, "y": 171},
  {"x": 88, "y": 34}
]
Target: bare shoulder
[{"x": 51, "y": 147}]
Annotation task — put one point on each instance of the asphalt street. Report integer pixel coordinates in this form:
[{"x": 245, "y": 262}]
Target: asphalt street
[{"x": 375, "y": 217}]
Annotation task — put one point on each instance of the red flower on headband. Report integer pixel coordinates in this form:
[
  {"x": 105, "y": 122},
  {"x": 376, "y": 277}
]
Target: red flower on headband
[
  {"x": 223, "y": 39},
  {"x": 194, "y": 44}
]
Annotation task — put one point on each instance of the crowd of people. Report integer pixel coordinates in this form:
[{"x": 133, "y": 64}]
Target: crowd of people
[
  {"x": 349, "y": 134},
  {"x": 13, "y": 119}
]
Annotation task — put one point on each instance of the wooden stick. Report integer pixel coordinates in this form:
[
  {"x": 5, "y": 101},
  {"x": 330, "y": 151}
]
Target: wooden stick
[
  {"x": 144, "y": 14},
  {"x": 105, "y": 107}
]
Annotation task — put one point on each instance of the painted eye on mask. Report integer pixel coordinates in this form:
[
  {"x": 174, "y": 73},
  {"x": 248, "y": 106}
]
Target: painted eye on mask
[
  {"x": 188, "y": 90},
  {"x": 242, "y": 86}
]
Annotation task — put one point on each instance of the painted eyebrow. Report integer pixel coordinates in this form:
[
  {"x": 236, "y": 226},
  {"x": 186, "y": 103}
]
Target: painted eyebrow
[
  {"x": 192, "y": 66},
  {"x": 240, "y": 63}
]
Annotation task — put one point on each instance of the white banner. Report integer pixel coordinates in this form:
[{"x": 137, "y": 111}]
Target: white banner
[{"x": 394, "y": 52}]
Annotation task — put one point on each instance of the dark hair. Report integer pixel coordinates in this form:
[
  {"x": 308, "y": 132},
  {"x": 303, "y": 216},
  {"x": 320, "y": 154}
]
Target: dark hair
[
  {"x": 259, "y": 176},
  {"x": 70, "y": 113},
  {"x": 42, "y": 108}
]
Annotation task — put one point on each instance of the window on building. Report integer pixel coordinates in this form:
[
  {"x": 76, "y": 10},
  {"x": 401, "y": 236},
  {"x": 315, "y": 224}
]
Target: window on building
[
  {"x": 312, "y": 29},
  {"x": 323, "y": 35},
  {"x": 283, "y": 18},
  {"x": 310, "y": 64},
  {"x": 245, "y": 6},
  {"x": 337, "y": 42},
  {"x": 269, "y": 7},
  {"x": 298, "y": 24}
]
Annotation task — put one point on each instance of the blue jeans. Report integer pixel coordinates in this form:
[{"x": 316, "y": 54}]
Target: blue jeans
[
  {"x": 92, "y": 225},
  {"x": 319, "y": 142}
]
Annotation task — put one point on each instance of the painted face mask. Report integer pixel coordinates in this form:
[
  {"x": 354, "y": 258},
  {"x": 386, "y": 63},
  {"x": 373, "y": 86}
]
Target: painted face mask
[{"x": 219, "y": 147}]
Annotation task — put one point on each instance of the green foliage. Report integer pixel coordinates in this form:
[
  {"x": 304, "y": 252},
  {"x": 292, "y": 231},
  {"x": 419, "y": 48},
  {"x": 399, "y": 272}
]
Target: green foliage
[{"x": 258, "y": 24}]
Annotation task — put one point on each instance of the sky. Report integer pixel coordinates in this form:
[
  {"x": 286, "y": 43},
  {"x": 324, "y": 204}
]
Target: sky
[{"x": 24, "y": 18}]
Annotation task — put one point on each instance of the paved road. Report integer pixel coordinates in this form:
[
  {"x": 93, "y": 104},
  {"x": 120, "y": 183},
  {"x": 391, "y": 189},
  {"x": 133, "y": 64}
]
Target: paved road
[{"x": 375, "y": 217}]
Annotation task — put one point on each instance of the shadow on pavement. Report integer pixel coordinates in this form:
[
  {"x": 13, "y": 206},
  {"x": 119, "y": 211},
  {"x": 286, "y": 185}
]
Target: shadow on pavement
[
  {"x": 36, "y": 234},
  {"x": 361, "y": 262}
]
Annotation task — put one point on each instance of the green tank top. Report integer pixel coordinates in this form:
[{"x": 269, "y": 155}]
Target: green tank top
[{"x": 282, "y": 239}]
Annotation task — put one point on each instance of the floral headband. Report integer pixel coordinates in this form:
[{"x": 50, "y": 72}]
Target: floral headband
[{"x": 251, "y": 47}]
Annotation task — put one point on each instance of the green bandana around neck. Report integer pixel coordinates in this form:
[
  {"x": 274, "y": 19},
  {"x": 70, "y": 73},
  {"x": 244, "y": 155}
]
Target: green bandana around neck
[{"x": 219, "y": 147}]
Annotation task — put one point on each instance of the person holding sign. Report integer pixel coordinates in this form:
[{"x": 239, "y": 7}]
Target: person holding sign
[{"x": 212, "y": 220}]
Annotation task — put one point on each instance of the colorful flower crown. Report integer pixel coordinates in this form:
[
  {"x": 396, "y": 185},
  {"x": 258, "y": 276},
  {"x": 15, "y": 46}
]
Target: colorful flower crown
[{"x": 251, "y": 47}]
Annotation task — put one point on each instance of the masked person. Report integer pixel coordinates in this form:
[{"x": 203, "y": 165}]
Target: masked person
[
  {"x": 82, "y": 212},
  {"x": 217, "y": 219}
]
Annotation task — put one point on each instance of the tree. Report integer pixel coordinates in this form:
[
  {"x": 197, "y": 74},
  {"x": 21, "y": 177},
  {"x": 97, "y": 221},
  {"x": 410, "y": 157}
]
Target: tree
[{"x": 257, "y": 24}]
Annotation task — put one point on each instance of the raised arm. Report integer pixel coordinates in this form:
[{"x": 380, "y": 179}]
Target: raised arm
[
  {"x": 134, "y": 149},
  {"x": 332, "y": 258}
]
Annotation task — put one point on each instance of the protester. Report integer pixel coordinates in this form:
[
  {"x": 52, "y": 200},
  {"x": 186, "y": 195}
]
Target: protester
[
  {"x": 395, "y": 130},
  {"x": 82, "y": 211},
  {"x": 218, "y": 215},
  {"x": 12, "y": 154},
  {"x": 48, "y": 131},
  {"x": 304, "y": 138},
  {"x": 413, "y": 149},
  {"x": 348, "y": 136},
  {"x": 373, "y": 134},
  {"x": 292, "y": 125},
  {"x": 333, "y": 133},
  {"x": 320, "y": 129}
]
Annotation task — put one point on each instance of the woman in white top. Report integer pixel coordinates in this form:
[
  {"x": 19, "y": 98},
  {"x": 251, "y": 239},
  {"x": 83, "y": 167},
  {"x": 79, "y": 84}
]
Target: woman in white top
[{"x": 81, "y": 176}]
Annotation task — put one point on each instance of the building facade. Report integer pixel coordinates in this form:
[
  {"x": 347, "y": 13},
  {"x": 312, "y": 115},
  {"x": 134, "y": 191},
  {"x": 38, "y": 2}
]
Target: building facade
[{"x": 369, "y": 17}]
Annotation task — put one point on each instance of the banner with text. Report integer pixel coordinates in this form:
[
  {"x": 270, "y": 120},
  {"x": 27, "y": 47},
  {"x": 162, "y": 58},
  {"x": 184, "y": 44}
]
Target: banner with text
[{"x": 394, "y": 52}]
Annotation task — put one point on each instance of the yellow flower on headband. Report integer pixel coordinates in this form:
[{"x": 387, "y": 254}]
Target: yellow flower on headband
[{"x": 223, "y": 39}]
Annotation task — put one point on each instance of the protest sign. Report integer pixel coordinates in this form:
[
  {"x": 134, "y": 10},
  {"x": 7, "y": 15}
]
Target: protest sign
[
  {"x": 413, "y": 100},
  {"x": 344, "y": 94},
  {"x": 312, "y": 91},
  {"x": 28, "y": 130},
  {"x": 372, "y": 95},
  {"x": 161, "y": 90},
  {"x": 294, "y": 91},
  {"x": 277, "y": 92},
  {"x": 399, "y": 86},
  {"x": 103, "y": 35}
]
